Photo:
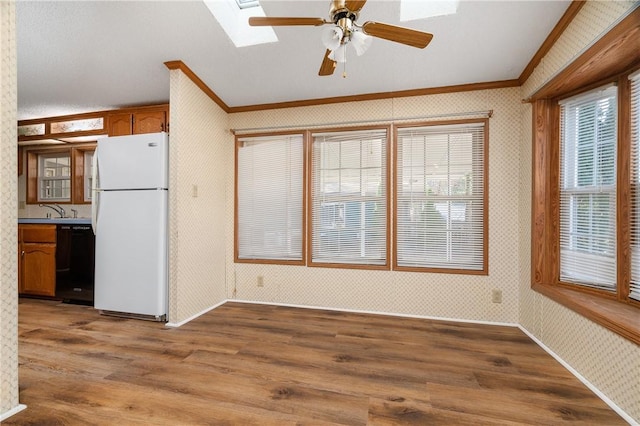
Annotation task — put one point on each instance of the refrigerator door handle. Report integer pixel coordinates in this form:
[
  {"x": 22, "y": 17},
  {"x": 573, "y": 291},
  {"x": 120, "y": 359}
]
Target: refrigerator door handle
[{"x": 94, "y": 191}]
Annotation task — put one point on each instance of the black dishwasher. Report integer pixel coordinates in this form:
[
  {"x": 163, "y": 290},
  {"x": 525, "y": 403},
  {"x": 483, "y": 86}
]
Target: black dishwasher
[{"x": 75, "y": 264}]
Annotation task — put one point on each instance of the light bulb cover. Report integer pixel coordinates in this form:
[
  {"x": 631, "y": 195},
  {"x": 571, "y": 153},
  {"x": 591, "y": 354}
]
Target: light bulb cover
[
  {"x": 360, "y": 42},
  {"x": 339, "y": 54},
  {"x": 331, "y": 37}
]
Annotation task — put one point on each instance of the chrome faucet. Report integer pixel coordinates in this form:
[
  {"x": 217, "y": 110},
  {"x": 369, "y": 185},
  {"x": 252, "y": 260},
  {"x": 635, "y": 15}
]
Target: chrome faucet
[{"x": 57, "y": 208}]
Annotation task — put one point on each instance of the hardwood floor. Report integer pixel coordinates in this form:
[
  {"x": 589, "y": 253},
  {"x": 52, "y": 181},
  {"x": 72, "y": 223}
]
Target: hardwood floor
[{"x": 247, "y": 364}]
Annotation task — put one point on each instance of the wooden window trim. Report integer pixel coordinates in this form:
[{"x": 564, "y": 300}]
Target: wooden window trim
[
  {"x": 33, "y": 196},
  {"x": 485, "y": 189},
  {"x": 76, "y": 153},
  {"x": 386, "y": 266},
  {"x": 236, "y": 233},
  {"x": 613, "y": 310},
  {"x": 614, "y": 54},
  {"x": 78, "y": 178}
]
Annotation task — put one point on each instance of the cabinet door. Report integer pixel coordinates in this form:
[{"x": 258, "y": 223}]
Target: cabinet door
[
  {"x": 120, "y": 124},
  {"x": 148, "y": 122},
  {"x": 38, "y": 269}
]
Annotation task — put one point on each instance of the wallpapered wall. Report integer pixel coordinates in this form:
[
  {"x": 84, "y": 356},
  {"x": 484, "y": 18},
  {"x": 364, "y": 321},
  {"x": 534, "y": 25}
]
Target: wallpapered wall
[
  {"x": 8, "y": 213},
  {"x": 199, "y": 153},
  {"x": 606, "y": 360},
  {"x": 201, "y": 258},
  {"x": 426, "y": 294}
]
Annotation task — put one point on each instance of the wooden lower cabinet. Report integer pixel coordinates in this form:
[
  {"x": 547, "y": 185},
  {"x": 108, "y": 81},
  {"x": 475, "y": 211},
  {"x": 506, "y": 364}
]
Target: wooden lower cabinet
[{"x": 37, "y": 260}]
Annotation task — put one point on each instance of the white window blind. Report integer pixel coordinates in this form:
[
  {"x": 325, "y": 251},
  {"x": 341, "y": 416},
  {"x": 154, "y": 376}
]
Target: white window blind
[
  {"x": 269, "y": 195},
  {"x": 440, "y": 200},
  {"x": 634, "y": 288},
  {"x": 588, "y": 125},
  {"x": 349, "y": 197}
]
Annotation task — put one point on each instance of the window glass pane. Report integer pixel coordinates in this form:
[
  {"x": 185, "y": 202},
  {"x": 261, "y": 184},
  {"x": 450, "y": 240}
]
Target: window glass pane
[
  {"x": 77, "y": 125},
  {"x": 348, "y": 199},
  {"x": 440, "y": 199},
  {"x": 588, "y": 190},
  {"x": 31, "y": 130},
  {"x": 54, "y": 177},
  {"x": 88, "y": 175},
  {"x": 269, "y": 196}
]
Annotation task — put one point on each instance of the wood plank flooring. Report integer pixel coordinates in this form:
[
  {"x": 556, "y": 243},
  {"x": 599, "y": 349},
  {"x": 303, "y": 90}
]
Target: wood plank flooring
[{"x": 247, "y": 364}]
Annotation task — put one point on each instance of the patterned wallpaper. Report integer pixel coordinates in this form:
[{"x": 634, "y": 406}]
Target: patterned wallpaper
[
  {"x": 463, "y": 297},
  {"x": 608, "y": 361},
  {"x": 8, "y": 214},
  {"x": 199, "y": 154},
  {"x": 201, "y": 256},
  {"x": 594, "y": 19}
]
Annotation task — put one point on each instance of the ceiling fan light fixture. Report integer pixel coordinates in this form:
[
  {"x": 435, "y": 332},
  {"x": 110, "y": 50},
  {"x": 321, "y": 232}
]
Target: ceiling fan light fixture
[
  {"x": 340, "y": 54},
  {"x": 360, "y": 42},
  {"x": 332, "y": 37}
]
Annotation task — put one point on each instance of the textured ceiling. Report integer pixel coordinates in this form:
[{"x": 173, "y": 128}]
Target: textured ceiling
[{"x": 92, "y": 55}]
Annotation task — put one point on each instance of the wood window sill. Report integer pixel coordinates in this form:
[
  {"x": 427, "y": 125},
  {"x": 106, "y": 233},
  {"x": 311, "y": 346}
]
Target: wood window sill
[{"x": 618, "y": 317}]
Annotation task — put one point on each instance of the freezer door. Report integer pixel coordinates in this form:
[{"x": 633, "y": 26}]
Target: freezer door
[
  {"x": 131, "y": 252},
  {"x": 133, "y": 162}
]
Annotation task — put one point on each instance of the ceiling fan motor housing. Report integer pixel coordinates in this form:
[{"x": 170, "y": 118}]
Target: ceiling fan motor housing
[{"x": 340, "y": 11}]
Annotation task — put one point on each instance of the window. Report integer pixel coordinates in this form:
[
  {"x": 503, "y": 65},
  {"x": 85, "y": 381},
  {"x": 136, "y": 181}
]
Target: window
[
  {"x": 60, "y": 175},
  {"x": 321, "y": 198},
  {"x": 87, "y": 158},
  {"x": 349, "y": 199},
  {"x": 440, "y": 197},
  {"x": 269, "y": 197},
  {"x": 634, "y": 286},
  {"x": 586, "y": 169},
  {"x": 588, "y": 140},
  {"x": 54, "y": 177}
]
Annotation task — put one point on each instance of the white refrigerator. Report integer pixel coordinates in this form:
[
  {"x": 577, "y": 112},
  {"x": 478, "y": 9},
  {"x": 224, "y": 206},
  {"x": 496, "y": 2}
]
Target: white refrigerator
[{"x": 129, "y": 218}]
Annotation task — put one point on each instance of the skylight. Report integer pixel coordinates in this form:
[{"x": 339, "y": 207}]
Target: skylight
[
  {"x": 233, "y": 16},
  {"x": 420, "y": 9}
]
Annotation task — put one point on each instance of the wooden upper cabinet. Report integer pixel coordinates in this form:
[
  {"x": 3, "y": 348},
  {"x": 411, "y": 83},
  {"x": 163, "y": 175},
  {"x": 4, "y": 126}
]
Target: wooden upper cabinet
[
  {"x": 120, "y": 124},
  {"x": 136, "y": 122},
  {"x": 149, "y": 122}
]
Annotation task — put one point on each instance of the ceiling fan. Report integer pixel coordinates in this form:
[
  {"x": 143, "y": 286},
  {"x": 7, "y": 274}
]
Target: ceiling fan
[{"x": 344, "y": 30}]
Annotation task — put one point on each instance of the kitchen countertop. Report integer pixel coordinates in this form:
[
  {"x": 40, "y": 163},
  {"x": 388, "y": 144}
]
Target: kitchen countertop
[{"x": 56, "y": 220}]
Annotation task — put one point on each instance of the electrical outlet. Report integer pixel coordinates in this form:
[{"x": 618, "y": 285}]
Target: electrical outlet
[
  {"x": 496, "y": 295},
  {"x": 194, "y": 191},
  {"x": 260, "y": 281}
]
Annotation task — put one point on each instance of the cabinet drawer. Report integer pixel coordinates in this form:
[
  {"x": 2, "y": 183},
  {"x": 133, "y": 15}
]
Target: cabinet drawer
[{"x": 38, "y": 233}]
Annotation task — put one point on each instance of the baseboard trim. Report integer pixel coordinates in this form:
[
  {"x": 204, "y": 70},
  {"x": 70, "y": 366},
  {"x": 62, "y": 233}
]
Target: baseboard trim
[
  {"x": 391, "y": 314},
  {"x": 14, "y": 410},
  {"x": 192, "y": 317},
  {"x": 580, "y": 377}
]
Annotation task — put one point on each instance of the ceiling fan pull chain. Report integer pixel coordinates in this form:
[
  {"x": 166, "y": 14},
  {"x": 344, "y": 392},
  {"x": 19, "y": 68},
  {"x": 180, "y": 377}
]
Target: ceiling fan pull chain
[{"x": 344, "y": 64}]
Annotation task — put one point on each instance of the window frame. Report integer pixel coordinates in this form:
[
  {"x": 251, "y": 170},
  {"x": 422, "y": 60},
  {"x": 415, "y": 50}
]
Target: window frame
[
  {"x": 77, "y": 179},
  {"x": 613, "y": 310},
  {"x": 387, "y": 201},
  {"x": 614, "y": 54},
  {"x": 572, "y": 190},
  {"x": 236, "y": 232},
  {"x": 43, "y": 180},
  {"x": 485, "y": 195}
]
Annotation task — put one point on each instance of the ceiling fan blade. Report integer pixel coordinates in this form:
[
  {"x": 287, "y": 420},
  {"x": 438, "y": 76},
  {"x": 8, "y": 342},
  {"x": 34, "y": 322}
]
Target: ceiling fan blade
[
  {"x": 354, "y": 5},
  {"x": 259, "y": 21},
  {"x": 328, "y": 65},
  {"x": 402, "y": 35}
]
